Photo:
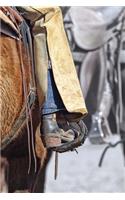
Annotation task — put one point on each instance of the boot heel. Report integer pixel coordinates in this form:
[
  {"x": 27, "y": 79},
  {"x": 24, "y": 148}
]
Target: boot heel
[{"x": 51, "y": 142}]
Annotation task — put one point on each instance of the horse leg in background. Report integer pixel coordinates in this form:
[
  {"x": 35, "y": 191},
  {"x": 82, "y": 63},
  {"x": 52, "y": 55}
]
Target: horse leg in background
[
  {"x": 90, "y": 66},
  {"x": 100, "y": 127},
  {"x": 92, "y": 86},
  {"x": 122, "y": 127},
  {"x": 41, "y": 177},
  {"x": 19, "y": 179},
  {"x": 3, "y": 175}
]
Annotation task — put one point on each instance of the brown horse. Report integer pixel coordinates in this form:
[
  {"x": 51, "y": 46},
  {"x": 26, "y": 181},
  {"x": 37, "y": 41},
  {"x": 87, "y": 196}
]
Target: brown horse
[{"x": 23, "y": 150}]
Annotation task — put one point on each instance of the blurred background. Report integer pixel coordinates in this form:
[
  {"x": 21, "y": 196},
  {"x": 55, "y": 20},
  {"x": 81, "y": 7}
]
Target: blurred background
[{"x": 97, "y": 40}]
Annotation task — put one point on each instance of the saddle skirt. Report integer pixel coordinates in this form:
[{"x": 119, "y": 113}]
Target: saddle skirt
[
  {"x": 89, "y": 27},
  {"x": 91, "y": 24}
]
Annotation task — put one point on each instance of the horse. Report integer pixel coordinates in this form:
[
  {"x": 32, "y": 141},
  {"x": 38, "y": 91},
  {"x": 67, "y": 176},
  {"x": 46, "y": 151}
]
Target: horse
[{"x": 21, "y": 144}]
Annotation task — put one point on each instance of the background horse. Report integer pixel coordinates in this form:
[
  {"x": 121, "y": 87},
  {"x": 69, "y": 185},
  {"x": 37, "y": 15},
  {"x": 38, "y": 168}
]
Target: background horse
[{"x": 93, "y": 40}]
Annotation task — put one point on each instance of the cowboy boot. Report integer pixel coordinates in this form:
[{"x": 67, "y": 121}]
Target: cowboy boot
[{"x": 54, "y": 133}]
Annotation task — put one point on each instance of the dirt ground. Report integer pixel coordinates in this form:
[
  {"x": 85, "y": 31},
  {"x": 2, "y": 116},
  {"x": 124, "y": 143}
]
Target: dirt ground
[{"x": 80, "y": 173}]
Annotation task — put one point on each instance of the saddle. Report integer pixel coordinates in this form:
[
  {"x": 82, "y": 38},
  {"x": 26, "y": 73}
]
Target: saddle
[
  {"x": 10, "y": 21},
  {"x": 110, "y": 13},
  {"x": 92, "y": 27}
]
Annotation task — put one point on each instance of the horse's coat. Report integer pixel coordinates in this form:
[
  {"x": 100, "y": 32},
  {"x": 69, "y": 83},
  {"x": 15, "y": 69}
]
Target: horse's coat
[
  {"x": 11, "y": 98},
  {"x": 12, "y": 103}
]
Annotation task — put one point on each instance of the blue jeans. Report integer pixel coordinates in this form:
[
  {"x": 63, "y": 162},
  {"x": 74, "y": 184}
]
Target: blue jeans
[{"x": 53, "y": 102}]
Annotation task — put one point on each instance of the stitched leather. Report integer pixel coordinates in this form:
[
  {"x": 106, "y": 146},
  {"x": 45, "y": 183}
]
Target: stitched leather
[{"x": 49, "y": 31}]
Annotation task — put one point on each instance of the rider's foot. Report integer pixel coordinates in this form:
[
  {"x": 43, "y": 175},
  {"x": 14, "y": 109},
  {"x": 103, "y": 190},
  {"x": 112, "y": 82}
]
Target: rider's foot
[
  {"x": 63, "y": 132},
  {"x": 55, "y": 132}
]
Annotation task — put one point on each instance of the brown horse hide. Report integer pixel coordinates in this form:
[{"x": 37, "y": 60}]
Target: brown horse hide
[
  {"x": 11, "y": 99},
  {"x": 14, "y": 142}
]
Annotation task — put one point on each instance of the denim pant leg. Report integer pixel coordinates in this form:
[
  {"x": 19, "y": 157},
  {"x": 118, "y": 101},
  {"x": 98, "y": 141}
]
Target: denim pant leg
[{"x": 53, "y": 102}]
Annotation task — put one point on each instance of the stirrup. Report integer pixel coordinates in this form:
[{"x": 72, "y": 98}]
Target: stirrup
[
  {"x": 78, "y": 141},
  {"x": 99, "y": 129}
]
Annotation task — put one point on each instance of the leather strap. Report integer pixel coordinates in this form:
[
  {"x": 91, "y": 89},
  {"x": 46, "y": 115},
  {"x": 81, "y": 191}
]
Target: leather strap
[{"x": 78, "y": 141}]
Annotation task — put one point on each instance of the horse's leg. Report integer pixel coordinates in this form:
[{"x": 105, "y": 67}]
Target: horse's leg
[
  {"x": 94, "y": 68},
  {"x": 41, "y": 177},
  {"x": 87, "y": 70},
  {"x": 122, "y": 132},
  {"x": 3, "y": 175},
  {"x": 19, "y": 179},
  {"x": 100, "y": 127},
  {"x": 88, "y": 76}
]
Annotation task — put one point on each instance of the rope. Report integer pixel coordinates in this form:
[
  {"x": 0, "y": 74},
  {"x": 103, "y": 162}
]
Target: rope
[
  {"x": 56, "y": 165},
  {"x": 110, "y": 145},
  {"x": 25, "y": 98},
  {"x": 26, "y": 38}
]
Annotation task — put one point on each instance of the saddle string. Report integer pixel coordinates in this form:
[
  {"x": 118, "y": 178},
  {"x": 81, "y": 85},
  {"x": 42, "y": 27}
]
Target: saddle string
[
  {"x": 32, "y": 139},
  {"x": 14, "y": 16},
  {"x": 26, "y": 38},
  {"x": 29, "y": 114},
  {"x": 32, "y": 84},
  {"x": 56, "y": 165},
  {"x": 25, "y": 97}
]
